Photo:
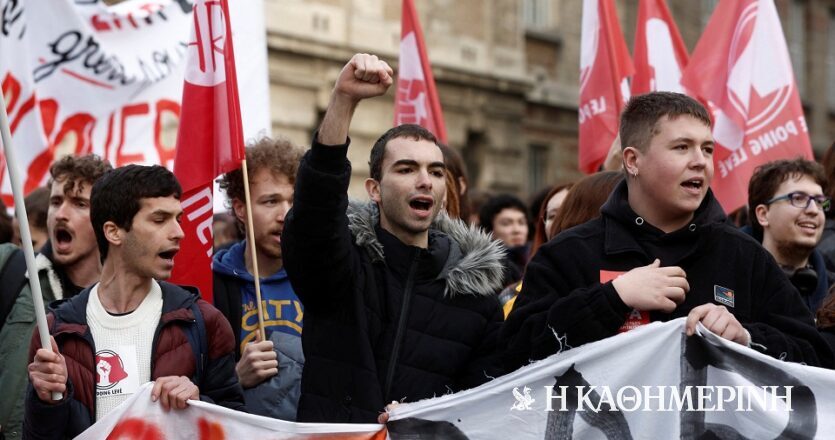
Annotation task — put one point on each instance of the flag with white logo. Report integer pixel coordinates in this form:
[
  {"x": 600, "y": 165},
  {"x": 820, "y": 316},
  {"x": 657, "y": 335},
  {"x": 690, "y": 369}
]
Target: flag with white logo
[
  {"x": 417, "y": 100},
  {"x": 660, "y": 55},
  {"x": 741, "y": 66},
  {"x": 210, "y": 137},
  {"x": 605, "y": 67}
]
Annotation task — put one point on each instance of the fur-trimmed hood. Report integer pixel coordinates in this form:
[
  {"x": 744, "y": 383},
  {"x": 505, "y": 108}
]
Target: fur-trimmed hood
[
  {"x": 43, "y": 263},
  {"x": 475, "y": 266}
]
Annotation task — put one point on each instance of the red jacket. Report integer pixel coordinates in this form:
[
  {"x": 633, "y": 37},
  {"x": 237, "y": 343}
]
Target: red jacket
[{"x": 172, "y": 356}]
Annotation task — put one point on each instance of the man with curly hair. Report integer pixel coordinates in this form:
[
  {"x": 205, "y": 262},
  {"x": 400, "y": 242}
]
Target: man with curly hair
[
  {"x": 269, "y": 370},
  {"x": 67, "y": 263}
]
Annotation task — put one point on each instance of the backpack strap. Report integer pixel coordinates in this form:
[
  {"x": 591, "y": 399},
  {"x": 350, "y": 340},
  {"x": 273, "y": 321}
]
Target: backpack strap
[
  {"x": 196, "y": 335},
  {"x": 12, "y": 280}
]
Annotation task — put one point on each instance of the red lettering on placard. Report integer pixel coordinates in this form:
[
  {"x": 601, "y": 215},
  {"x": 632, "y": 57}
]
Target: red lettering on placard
[
  {"x": 67, "y": 134},
  {"x": 128, "y": 111},
  {"x": 164, "y": 108},
  {"x": 210, "y": 430},
  {"x": 11, "y": 91},
  {"x": 135, "y": 429}
]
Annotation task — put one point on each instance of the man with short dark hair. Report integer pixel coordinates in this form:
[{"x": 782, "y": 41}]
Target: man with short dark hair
[
  {"x": 133, "y": 328},
  {"x": 400, "y": 300},
  {"x": 786, "y": 206},
  {"x": 67, "y": 263},
  {"x": 661, "y": 249},
  {"x": 506, "y": 217},
  {"x": 269, "y": 370}
]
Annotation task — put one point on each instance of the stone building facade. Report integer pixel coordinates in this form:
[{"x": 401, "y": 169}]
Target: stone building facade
[{"x": 506, "y": 71}]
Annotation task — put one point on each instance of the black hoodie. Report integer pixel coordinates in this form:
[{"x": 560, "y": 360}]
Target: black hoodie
[{"x": 563, "y": 296}]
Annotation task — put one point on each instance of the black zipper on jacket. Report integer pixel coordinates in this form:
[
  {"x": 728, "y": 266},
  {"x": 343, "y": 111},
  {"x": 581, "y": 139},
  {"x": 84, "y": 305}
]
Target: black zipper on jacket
[{"x": 401, "y": 325}]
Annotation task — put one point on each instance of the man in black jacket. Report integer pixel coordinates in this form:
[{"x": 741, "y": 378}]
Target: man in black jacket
[
  {"x": 399, "y": 300},
  {"x": 662, "y": 249}
]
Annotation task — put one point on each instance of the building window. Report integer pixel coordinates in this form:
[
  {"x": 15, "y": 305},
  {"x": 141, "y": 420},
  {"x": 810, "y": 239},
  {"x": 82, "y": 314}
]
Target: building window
[
  {"x": 537, "y": 166},
  {"x": 797, "y": 42},
  {"x": 536, "y": 13}
]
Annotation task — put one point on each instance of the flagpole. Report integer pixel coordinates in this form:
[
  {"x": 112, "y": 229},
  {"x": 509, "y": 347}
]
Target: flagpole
[
  {"x": 25, "y": 234},
  {"x": 250, "y": 233}
]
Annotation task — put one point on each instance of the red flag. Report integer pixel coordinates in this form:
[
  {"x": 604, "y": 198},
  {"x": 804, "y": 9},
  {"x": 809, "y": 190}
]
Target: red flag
[
  {"x": 604, "y": 87},
  {"x": 660, "y": 55},
  {"x": 741, "y": 65},
  {"x": 210, "y": 137},
  {"x": 417, "y": 99}
]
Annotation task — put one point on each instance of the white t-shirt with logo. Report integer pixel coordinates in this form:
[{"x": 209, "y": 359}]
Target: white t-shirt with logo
[{"x": 123, "y": 347}]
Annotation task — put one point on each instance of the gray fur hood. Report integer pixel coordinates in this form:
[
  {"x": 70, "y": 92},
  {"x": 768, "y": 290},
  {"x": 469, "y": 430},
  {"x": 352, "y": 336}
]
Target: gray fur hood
[{"x": 475, "y": 267}]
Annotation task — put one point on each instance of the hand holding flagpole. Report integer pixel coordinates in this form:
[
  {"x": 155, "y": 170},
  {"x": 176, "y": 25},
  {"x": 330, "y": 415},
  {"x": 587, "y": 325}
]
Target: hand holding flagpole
[{"x": 25, "y": 234}]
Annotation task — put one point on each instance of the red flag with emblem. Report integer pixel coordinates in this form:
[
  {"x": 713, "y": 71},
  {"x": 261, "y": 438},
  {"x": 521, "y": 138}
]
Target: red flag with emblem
[
  {"x": 741, "y": 66},
  {"x": 605, "y": 67},
  {"x": 210, "y": 137},
  {"x": 660, "y": 55},
  {"x": 416, "y": 101}
]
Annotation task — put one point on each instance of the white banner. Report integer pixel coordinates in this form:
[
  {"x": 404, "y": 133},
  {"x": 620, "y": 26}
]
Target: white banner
[
  {"x": 141, "y": 418},
  {"x": 651, "y": 382},
  {"x": 81, "y": 77}
]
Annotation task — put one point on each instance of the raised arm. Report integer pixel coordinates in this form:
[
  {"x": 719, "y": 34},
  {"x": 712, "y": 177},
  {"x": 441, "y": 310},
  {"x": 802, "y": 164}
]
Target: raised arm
[
  {"x": 365, "y": 76},
  {"x": 316, "y": 242}
]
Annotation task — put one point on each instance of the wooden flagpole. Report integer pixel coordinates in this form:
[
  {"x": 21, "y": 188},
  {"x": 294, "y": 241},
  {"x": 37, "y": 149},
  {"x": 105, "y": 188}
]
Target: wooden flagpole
[
  {"x": 250, "y": 236},
  {"x": 25, "y": 234}
]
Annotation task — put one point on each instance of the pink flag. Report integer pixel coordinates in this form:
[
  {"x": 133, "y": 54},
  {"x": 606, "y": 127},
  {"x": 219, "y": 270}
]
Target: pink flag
[
  {"x": 210, "y": 137},
  {"x": 742, "y": 67},
  {"x": 417, "y": 99},
  {"x": 660, "y": 55},
  {"x": 604, "y": 87}
]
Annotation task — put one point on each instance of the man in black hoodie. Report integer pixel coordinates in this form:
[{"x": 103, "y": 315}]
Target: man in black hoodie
[{"x": 662, "y": 249}]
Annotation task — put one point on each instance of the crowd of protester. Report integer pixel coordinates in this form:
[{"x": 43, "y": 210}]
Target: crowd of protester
[{"x": 430, "y": 287}]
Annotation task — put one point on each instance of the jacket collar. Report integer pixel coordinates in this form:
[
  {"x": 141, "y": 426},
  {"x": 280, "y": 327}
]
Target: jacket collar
[
  {"x": 71, "y": 314},
  {"x": 43, "y": 262},
  {"x": 231, "y": 262},
  {"x": 475, "y": 262},
  {"x": 624, "y": 227}
]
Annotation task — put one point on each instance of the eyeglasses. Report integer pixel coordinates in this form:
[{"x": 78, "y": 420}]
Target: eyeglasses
[{"x": 802, "y": 200}]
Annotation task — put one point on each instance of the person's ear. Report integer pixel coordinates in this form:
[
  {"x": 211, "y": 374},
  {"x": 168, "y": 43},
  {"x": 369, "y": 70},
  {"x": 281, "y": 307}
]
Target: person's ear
[
  {"x": 631, "y": 160},
  {"x": 761, "y": 211},
  {"x": 372, "y": 187},
  {"x": 239, "y": 208},
  {"x": 113, "y": 234}
]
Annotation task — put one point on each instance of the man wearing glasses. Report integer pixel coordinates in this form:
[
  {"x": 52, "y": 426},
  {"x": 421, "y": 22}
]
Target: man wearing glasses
[{"x": 786, "y": 209}]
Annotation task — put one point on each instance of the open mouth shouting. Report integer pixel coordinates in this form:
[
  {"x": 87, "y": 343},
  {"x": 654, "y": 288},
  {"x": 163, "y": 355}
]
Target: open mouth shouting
[
  {"x": 422, "y": 205},
  {"x": 168, "y": 255},
  {"x": 694, "y": 185},
  {"x": 62, "y": 239}
]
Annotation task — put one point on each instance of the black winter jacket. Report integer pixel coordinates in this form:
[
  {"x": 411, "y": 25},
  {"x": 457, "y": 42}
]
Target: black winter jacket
[
  {"x": 562, "y": 296},
  {"x": 826, "y": 246},
  {"x": 384, "y": 321}
]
